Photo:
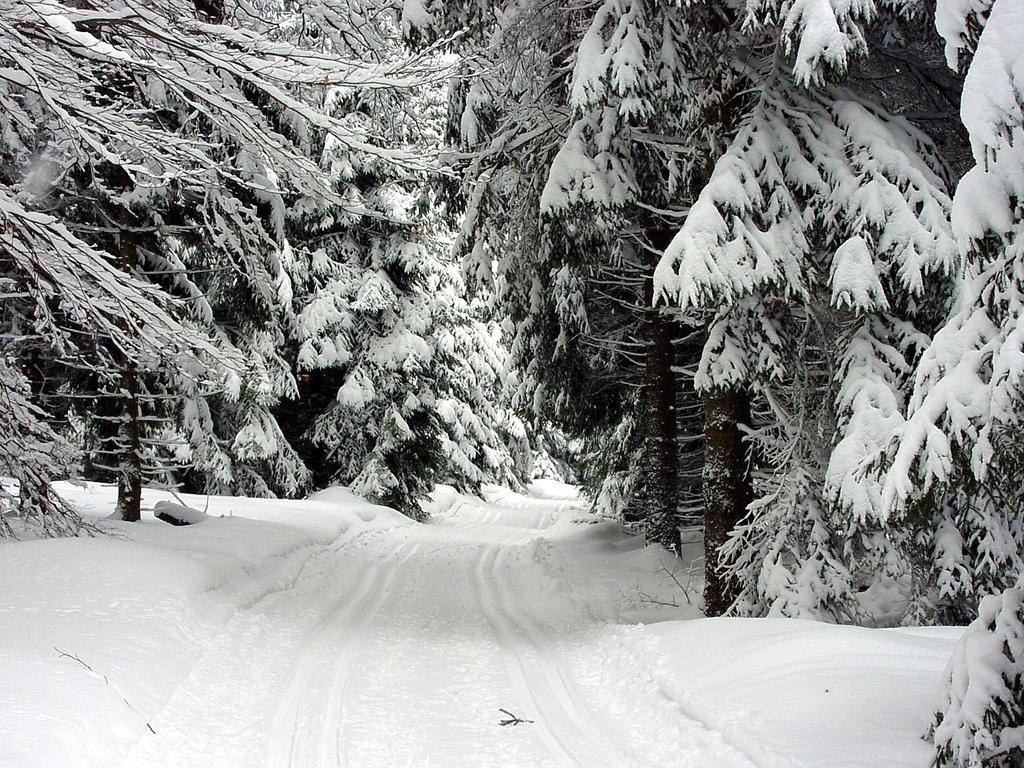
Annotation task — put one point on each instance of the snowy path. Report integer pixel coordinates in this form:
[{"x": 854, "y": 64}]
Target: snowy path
[{"x": 397, "y": 647}]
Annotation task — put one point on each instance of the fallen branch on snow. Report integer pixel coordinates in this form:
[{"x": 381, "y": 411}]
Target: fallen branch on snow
[
  {"x": 511, "y": 719},
  {"x": 73, "y": 657}
]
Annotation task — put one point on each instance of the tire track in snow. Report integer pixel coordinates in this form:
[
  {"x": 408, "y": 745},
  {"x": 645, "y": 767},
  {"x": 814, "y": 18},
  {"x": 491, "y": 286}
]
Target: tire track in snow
[
  {"x": 488, "y": 515},
  {"x": 757, "y": 756},
  {"x": 308, "y": 723},
  {"x": 747, "y": 751},
  {"x": 536, "y": 679},
  {"x": 514, "y": 663}
]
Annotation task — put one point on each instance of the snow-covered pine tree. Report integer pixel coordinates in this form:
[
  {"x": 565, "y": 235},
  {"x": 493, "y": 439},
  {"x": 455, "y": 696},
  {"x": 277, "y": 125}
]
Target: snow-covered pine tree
[
  {"x": 482, "y": 439},
  {"x": 226, "y": 258},
  {"x": 954, "y": 470},
  {"x": 157, "y": 135},
  {"x": 957, "y": 463},
  {"x": 554, "y": 457},
  {"x": 980, "y": 722},
  {"x": 59, "y": 295},
  {"x": 570, "y": 126},
  {"x": 412, "y": 377},
  {"x": 813, "y": 240},
  {"x": 401, "y": 379}
]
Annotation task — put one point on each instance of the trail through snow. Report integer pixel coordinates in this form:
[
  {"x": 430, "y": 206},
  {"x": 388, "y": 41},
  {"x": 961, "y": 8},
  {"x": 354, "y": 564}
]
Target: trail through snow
[
  {"x": 331, "y": 633},
  {"x": 402, "y": 644}
]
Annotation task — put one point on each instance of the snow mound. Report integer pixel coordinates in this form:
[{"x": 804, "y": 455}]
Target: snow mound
[
  {"x": 442, "y": 499},
  {"x": 761, "y": 682},
  {"x": 337, "y": 494},
  {"x": 177, "y": 514}
]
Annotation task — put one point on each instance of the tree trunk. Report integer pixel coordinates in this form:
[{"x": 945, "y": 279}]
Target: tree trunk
[
  {"x": 129, "y": 480},
  {"x": 727, "y": 490},
  {"x": 726, "y": 478},
  {"x": 657, "y": 498}
]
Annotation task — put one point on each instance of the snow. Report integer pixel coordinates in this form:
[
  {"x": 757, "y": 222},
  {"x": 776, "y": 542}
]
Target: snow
[
  {"x": 139, "y": 606},
  {"x": 826, "y": 33},
  {"x": 990, "y": 109},
  {"x": 546, "y": 488},
  {"x": 64, "y": 26},
  {"x": 855, "y": 282},
  {"x": 182, "y": 514},
  {"x": 415, "y": 16},
  {"x": 357, "y": 391},
  {"x": 799, "y": 693},
  {"x": 953, "y": 19},
  {"x": 571, "y": 174},
  {"x": 591, "y": 63},
  {"x": 333, "y": 632}
]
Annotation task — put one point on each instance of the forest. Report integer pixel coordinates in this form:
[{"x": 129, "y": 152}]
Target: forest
[{"x": 738, "y": 280}]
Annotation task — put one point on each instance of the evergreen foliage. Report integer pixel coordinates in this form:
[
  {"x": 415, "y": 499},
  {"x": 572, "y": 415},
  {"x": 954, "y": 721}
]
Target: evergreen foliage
[
  {"x": 410, "y": 376},
  {"x": 567, "y": 128},
  {"x": 958, "y": 452},
  {"x": 151, "y": 159},
  {"x": 980, "y": 723},
  {"x": 817, "y": 240}
]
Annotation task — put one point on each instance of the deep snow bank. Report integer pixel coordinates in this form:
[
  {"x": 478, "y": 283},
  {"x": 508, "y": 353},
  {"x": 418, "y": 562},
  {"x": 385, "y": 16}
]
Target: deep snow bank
[
  {"x": 802, "y": 693},
  {"x": 139, "y": 607}
]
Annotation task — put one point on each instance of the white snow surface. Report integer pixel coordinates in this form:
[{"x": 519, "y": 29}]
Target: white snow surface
[
  {"x": 331, "y": 632},
  {"x": 180, "y": 512}
]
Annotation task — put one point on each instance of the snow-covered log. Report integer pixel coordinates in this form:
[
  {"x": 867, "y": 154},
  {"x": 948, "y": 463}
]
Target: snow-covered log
[{"x": 178, "y": 514}]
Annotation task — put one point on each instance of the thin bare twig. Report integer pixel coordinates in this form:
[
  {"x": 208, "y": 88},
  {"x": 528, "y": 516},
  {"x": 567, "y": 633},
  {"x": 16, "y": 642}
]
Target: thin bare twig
[
  {"x": 511, "y": 719},
  {"x": 105, "y": 679}
]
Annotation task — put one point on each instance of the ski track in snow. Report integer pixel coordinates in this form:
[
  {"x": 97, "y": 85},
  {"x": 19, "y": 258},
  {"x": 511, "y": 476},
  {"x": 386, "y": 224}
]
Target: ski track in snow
[
  {"x": 395, "y": 649},
  {"x": 537, "y": 678},
  {"x": 309, "y": 725}
]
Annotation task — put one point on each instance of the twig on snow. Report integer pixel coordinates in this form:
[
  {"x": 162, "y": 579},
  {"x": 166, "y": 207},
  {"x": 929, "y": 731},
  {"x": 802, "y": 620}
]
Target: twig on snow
[
  {"x": 74, "y": 657},
  {"x": 511, "y": 719}
]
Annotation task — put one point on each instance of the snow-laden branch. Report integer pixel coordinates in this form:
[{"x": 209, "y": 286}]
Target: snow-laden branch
[
  {"x": 809, "y": 172},
  {"x": 968, "y": 385},
  {"x": 66, "y": 275},
  {"x": 66, "y": 56}
]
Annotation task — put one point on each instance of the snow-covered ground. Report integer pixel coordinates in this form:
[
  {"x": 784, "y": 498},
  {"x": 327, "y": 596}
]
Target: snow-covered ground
[{"x": 329, "y": 632}]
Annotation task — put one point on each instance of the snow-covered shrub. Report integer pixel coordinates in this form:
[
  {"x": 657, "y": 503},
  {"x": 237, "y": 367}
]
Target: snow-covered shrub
[{"x": 982, "y": 722}]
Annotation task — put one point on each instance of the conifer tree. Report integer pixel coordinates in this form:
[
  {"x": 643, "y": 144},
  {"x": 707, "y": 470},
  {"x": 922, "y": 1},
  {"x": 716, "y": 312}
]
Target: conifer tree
[
  {"x": 60, "y": 295},
  {"x": 813, "y": 241},
  {"x": 953, "y": 468},
  {"x": 957, "y": 454},
  {"x": 157, "y": 134},
  {"x": 571, "y": 124},
  {"x": 401, "y": 377}
]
